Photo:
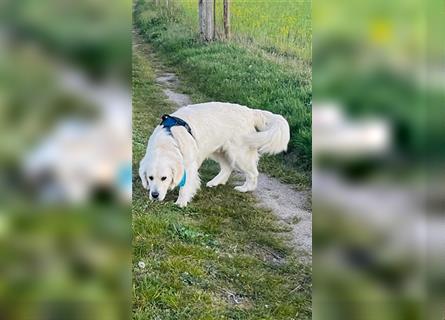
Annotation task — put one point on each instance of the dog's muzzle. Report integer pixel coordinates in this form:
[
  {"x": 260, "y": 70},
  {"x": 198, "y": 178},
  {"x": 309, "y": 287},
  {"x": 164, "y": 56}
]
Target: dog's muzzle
[{"x": 155, "y": 195}]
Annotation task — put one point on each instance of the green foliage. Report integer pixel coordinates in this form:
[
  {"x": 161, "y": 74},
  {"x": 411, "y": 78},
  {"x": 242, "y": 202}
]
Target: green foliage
[
  {"x": 211, "y": 260},
  {"x": 65, "y": 263},
  {"x": 366, "y": 86},
  {"x": 90, "y": 33}
]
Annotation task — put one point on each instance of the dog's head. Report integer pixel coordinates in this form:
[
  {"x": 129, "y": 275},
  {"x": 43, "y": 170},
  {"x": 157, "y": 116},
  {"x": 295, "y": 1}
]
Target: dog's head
[
  {"x": 161, "y": 173},
  {"x": 162, "y": 168}
]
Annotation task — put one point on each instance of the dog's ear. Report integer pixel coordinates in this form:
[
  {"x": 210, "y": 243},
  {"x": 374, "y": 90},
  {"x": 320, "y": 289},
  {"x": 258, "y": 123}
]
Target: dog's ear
[
  {"x": 143, "y": 174},
  {"x": 143, "y": 177},
  {"x": 177, "y": 173}
]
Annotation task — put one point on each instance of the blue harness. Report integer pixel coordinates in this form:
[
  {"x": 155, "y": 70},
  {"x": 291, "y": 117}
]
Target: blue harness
[{"x": 167, "y": 123}]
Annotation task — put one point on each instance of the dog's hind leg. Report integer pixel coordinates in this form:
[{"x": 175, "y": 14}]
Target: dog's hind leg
[
  {"x": 225, "y": 170},
  {"x": 248, "y": 165}
]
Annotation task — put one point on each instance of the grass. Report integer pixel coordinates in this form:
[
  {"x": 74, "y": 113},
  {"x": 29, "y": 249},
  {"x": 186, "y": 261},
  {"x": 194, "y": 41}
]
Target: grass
[
  {"x": 91, "y": 34},
  {"x": 221, "y": 257},
  {"x": 65, "y": 262},
  {"x": 282, "y": 26},
  {"x": 228, "y": 71}
]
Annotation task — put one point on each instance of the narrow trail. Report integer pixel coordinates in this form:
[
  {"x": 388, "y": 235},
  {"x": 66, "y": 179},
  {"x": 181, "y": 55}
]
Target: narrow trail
[{"x": 289, "y": 205}]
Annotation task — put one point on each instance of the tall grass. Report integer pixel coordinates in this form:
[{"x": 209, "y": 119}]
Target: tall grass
[{"x": 282, "y": 26}]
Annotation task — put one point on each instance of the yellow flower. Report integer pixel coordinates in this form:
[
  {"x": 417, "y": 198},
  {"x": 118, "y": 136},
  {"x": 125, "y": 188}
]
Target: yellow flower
[{"x": 381, "y": 31}]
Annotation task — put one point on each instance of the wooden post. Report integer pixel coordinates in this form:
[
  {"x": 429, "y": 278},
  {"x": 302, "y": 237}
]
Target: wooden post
[
  {"x": 214, "y": 19},
  {"x": 227, "y": 18},
  {"x": 201, "y": 17},
  {"x": 206, "y": 20},
  {"x": 209, "y": 20}
]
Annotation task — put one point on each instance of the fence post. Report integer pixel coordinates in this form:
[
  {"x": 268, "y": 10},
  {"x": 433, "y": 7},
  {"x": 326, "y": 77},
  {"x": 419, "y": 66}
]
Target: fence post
[
  {"x": 227, "y": 18},
  {"x": 201, "y": 17},
  {"x": 214, "y": 19},
  {"x": 206, "y": 20}
]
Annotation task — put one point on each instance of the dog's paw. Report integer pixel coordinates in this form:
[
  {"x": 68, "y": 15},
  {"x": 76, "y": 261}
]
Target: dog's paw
[
  {"x": 242, "y": 189},
  {"x": 181, "y": 203},
  {"x": 212, "y": 184}
]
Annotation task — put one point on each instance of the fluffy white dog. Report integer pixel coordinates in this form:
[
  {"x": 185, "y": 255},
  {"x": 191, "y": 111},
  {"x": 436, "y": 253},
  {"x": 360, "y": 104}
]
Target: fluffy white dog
[{"x": 230, "y": 134}]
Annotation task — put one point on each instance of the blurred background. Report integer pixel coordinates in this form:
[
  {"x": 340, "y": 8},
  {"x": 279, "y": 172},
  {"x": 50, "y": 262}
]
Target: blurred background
[
  {"x": 378, "y": 143},
  {"x": 65, "y": 153}
]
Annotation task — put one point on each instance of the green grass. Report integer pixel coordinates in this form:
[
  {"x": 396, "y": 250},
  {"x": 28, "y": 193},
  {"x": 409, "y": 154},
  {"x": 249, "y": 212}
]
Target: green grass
[
  {"x": 219, "y": 258},
  {"x": 91, "y": 34},
  {"x": 228, "y": 71},
  {"x": 77, "y": 258},
  {"x": 282, "y": 26}
]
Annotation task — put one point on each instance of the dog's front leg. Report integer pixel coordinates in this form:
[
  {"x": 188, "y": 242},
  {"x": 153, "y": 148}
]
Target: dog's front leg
[
  {"x": 184, "y": 197},
  {"x": 192, "y": 184}
]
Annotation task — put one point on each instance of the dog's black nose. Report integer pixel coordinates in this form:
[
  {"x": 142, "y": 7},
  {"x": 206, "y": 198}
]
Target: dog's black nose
[{"x": 155, "y": 194}]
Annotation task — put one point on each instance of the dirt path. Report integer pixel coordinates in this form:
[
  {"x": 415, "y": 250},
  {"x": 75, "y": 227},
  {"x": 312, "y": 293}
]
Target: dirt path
[
  {"x": 289, "y": 205},
  {"x": 169, "y": 83}
]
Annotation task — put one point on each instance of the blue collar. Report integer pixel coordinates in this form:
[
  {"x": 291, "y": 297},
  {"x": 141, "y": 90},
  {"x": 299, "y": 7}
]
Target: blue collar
[
  {"x": 169, "y": 121},
  {"x": 183, "y": 180}
]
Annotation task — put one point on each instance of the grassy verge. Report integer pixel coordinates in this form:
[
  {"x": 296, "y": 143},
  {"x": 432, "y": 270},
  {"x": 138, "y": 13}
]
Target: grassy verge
[
  {"x": 226, "y": 71},
  {"x": 221, "y": 257}
]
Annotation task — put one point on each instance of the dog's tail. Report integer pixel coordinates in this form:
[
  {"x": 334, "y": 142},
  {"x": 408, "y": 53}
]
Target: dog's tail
[{"x": 273, "y": 133}]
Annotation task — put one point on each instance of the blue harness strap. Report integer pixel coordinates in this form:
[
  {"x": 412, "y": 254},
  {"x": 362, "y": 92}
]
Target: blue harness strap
[
  {"x": 183, "y": 180},
  {"x": 169, "y": 121}
]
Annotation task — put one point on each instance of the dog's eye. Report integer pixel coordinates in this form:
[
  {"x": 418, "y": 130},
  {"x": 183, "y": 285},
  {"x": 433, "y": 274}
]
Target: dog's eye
[
  {"x": 150, "y": 177},
  {"x": 163, "y": 178}
]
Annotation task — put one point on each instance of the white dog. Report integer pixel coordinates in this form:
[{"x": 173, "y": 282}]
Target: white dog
[{"x": 231, "y": 134}]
